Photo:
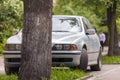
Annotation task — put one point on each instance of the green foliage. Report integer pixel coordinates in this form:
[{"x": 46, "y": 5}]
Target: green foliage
[
  {"x": 10, "y": 17},
  {"x": 118, "y": 25},
  {"x": 8, "y": 77},
  {"x": 2, "y": 45},
  {"x": 113, "y": 59},
  {"x": 118, "y": 17},
  {"x": 118, "y": 10},
  {"x": 1, "y": 48},
  {"x": 65, "y": 74},
  {"x": 57, "y": 74}
]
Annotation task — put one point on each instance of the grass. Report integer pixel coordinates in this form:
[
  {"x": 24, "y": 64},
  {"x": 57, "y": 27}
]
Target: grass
[
  {"x": 111, "y": 60},
  {"x": 66, "y": 74},
  {"x": 8, "y": 77},
  {"x": 57, "y": 74}
]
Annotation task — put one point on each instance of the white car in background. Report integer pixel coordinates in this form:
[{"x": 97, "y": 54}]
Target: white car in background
[{"x": 74, "y": 43}]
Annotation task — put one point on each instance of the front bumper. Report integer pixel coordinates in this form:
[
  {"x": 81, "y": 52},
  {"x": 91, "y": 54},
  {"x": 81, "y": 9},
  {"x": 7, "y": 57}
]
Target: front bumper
[
  {"x": 12, "y": 58},
  {"x": 65, "y": 58}
]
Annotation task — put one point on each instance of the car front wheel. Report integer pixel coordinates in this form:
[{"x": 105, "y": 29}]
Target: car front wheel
[
  {"x": 10, "y": 70},
  {"x": 83, "y": 60}
]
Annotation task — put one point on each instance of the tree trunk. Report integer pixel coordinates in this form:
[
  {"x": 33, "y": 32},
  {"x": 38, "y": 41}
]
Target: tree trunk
[
  {"x": 116, "y": 43},
  {"x": 113, "y": 35},
  {"x": 36, "y": 40},
  {"x": 110, "y": 23}
]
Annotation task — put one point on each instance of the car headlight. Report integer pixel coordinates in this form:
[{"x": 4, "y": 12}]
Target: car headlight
[
  {"x": 12, "y": 47},
  {"x": 64, "y": 47}
]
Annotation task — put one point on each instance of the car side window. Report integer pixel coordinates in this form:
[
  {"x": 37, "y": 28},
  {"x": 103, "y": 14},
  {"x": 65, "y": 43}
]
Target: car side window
[
  {"x": 84, "y": 24},
  {"x": 80, "y": 24},
  {"x": 87, "y": 24}
]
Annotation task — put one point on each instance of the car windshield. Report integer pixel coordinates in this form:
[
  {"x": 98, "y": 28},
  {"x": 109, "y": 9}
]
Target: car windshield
[{"x": 65, "y": 24}]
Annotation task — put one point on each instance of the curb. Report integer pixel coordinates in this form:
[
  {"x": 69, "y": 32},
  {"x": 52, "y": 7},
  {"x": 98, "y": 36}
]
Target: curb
[{"x": 85, "y": 77}]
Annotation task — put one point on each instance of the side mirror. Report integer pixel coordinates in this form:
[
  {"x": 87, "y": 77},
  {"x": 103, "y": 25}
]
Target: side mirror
[{"x": 90, "y": 31}]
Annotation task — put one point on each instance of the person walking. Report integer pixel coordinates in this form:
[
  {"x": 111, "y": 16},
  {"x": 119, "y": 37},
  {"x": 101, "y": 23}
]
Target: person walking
[{"x": 102, "y": 38}]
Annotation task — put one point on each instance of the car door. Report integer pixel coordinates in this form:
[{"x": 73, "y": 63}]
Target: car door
[
  {"x": 92, "y": 55},
  {"x": 87, "y": 37}
]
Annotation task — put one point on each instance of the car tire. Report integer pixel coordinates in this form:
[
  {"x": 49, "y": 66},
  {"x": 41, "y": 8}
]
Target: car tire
[
  {"x": 10, "y": 70},
  {"x": 83, "y": 60},
  {"x": 98, "y": 66}
]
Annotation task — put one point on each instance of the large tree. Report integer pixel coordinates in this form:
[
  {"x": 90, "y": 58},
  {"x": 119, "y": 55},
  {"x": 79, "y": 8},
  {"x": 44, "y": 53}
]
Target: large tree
[
  {"x": 114, "y": 48},
  {"x": 111, "y": 17},
  {"x": 36, "y": 40}
]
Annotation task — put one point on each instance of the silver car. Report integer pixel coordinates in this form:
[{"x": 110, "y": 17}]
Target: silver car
[{"x": 74, "y": 43}]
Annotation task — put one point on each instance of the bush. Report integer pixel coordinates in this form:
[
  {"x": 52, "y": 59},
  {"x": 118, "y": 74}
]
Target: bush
[
  {"x": 2, "y": 46},
  {"x": 1, "y": 49},
  {"x": 11, "y": 12}
]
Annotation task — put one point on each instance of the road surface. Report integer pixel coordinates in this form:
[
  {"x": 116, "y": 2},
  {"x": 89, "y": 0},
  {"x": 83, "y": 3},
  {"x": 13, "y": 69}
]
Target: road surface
[
  {"x": 105, "y": 51},
  {"x": 108, "y": 72},
  {"x": 2, "y": 70}
]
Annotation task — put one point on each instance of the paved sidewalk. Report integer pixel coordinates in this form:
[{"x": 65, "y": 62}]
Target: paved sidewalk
[
  {"x": 2, "y": 70},
  {"x": 109, "y": 72},
  {"x": 105, "y": 51},
  {"x": 1, "y": 56}
]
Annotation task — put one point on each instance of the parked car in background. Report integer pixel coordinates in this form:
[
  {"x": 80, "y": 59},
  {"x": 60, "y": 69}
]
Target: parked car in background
[{"x": 74, "y": 43}]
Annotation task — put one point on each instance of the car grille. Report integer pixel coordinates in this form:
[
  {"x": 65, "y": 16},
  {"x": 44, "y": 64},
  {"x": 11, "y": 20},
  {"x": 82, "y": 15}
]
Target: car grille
[
  {"x": 13, "y": 59},
  {"x": 53, "y": 59},
  {"x": 62, "y": 59}
]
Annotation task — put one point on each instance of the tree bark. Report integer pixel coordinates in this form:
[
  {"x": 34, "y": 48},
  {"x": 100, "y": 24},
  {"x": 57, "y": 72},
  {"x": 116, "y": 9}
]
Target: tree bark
[
  {"x": 36, "y": 40},
  {"x": 114, "y": 48},
  {"x": 110, "y": 23},
  {"x": 116, "y": 43}
]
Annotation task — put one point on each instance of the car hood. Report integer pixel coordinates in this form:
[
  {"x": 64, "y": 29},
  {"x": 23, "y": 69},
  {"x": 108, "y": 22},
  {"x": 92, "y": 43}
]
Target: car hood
[
  {"x": 65, "y": 37},
  {"x": 16, "y": 39},
  {"x": 57, "y": 37}
]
